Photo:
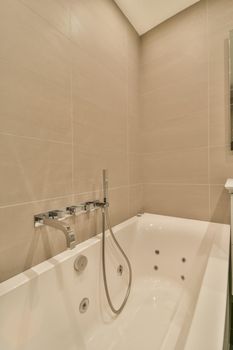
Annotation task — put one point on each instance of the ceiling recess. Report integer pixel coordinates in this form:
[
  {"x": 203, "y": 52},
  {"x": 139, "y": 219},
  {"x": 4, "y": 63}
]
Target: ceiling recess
[{"x": 146, "y": 14}]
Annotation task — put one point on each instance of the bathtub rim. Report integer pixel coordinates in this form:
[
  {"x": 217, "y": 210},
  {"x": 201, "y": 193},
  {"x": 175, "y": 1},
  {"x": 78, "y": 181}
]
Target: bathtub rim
[{"x": 23, "y": 277}]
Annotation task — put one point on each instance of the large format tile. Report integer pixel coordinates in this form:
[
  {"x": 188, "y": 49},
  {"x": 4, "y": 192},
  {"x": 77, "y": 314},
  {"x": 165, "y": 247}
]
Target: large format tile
[
  {"x": 100, "y": 29},
  {"x": 33, "y": 106},
  {"x": 90, "y": 114},
  {"x": 135, "y": 168},
  {"x": 188, "y": 201},
  {"x": 181, "y": 34},
  {"x": 219, "y": 204},
  {"x": 98, "y": 138},
  {"x": 34, "y": 244},
  {"x": 221, "y": 164},
  {"x": 171, "y": 100},
  {"x": 94, "y": 83},
  {"x": 180, "y": 166},
  {"x": 135, "y": 200},
  {"x": 88, "y": 170},
  {"x": 177, "y": 68},
  {"x": 119, "y": 205},
  {"x": 33, "y": 169},
  {"x": 30, "y": 42},
  {"x": 135, "y": 133},
  {"x": 188, "y": 131},
  {"x": 220, "y": 16},
  {"x": 69, "y": 107},
  {"x": 56, "y": 12}
]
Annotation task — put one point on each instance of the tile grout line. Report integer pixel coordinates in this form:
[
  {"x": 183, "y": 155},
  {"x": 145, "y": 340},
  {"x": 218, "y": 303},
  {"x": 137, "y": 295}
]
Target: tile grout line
[
  {"x": 127, "y": 124},
  {"x": 71, "y": 195},
  {"x": 208, "y": 101},
  {"x": 71, "y": 109},
  {"x": 34, "y": 138},
  {"x": 44, "y": 19}
]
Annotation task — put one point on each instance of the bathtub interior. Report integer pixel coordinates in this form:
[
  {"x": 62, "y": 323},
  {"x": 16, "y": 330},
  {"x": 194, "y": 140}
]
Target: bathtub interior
[{"x": 40, "y": 308}]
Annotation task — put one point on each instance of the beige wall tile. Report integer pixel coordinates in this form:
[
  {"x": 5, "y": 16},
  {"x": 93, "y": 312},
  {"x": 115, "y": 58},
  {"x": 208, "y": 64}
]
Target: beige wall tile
[
  {"x": 98, "y": 138},
  {"x": 178, "y": 166},
  {"x": 135, "y": 200},
  {"x": 135, "y": 168},
  {"x": 119, "y": 205},
  {"x": 185, "y": 104},
  {"x": 91, "y": 114},
  {"x": 104, "y": 38},
  {"x": 133, "y": 45},
  {"x": 177, "y": 35},
  {"x": 88, "y": 224},
  {"x": 174, "y": 69},
  {"x": 23, "y": 214},
  {"x": 134, "y": 133},
  {"x": 56, "y": 12},
  {"x": 219, "y": 114},
  {"x": 177, "y": 200},
  {"x": 30, "y": 42},
  {"x": 171, "y": 99},
  {"x": 33, "y": 169},
  {"x": 220, "y": 15},
  {"x": 88, "y": 170},
  {"x": 68, "y": 90},
  {"x": 187, "y": 131},
  {"x": 221, "y": 164},
  {"x": 26, "y": 246},
  {"x": 26, "y": 101},
  {"x": 219, "y": 204},
  {"x": 94, "y": 83}
]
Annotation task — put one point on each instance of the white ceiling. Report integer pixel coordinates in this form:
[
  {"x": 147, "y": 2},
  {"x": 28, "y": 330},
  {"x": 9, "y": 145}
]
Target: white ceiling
[{"x": 146, "y": 14}]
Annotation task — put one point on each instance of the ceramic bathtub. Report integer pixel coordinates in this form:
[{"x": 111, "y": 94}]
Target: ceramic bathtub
[{"x": 178, "y": 297}]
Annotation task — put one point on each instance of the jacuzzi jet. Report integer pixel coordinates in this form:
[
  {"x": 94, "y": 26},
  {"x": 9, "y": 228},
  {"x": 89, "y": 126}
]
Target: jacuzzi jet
[
  {"x": 120, "y": 270},
  {"x": 83, "y": 306}
]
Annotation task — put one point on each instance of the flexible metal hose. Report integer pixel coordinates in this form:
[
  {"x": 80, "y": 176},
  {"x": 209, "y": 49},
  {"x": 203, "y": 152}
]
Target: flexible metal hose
[{"x": 106, "y": 219}]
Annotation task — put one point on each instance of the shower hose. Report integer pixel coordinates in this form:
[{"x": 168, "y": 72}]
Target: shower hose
[{"x": 106, "y": 219}]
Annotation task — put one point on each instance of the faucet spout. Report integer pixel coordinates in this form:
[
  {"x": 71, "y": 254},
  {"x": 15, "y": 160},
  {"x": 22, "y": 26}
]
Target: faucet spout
[
  {"x": 52, "y": 221},
  {"x": 66, "y": 229}
]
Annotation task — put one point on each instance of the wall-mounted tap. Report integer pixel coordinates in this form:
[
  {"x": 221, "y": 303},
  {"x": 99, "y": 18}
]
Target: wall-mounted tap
[{"x": 51, "y": 219}]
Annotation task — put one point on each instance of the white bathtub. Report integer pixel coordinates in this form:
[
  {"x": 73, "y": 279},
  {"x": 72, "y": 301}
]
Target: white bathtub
[{"x": 178, "y": 297}]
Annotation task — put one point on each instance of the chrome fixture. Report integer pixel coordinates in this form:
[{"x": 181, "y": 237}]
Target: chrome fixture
[
  {"x": 52, "y": 218},
  {"x": 105, "y": 219},
  {"x": 83, "y": 207},
  {"x": 80, "y": 208},
  {"x": 80, "y": 263}
]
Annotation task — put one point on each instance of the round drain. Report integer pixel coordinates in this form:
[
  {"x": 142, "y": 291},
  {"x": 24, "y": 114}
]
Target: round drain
[
  {"x": 183, "y": 260},
  {"x": 182, "y": 277},
  {"x": 155, "y": 267},
  {"x": 157, "y": 252},
  {"x": 83, "y": 306}
]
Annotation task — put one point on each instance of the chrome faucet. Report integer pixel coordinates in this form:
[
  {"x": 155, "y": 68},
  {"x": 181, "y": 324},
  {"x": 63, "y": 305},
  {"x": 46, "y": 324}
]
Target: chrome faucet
[{"x": 51, "y": 219}]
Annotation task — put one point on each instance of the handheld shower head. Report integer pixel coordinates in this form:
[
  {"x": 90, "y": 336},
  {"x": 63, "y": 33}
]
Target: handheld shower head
[{"x": 105, "y": 185}]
